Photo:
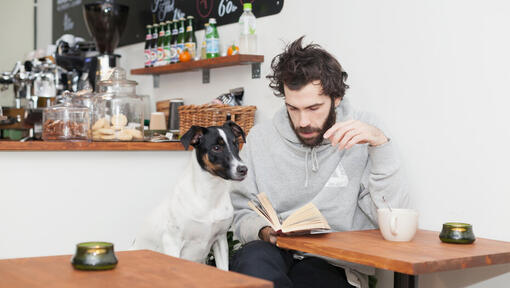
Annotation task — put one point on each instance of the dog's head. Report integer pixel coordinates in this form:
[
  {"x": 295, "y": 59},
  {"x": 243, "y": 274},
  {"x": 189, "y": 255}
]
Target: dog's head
[{"x": 217, "y": 149}]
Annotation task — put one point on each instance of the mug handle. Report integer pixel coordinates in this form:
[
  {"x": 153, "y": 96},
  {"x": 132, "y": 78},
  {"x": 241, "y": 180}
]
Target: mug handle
[{"x": 393, "y": 224}]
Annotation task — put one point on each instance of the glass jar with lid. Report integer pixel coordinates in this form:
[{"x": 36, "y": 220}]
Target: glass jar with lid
[
  {"x": 66, "y": 121},
  {"x": 83, "y": 98},
  {"x": 118, "y": 112}
]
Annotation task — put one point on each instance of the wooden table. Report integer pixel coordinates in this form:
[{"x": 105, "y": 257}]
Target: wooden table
[
  {"x": 140, "y": 268},
  {"x": 424, "y": 254}
]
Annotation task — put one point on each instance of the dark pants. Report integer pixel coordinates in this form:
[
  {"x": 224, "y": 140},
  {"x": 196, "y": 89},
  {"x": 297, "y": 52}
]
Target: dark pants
[{"x": 264, "y": 260}]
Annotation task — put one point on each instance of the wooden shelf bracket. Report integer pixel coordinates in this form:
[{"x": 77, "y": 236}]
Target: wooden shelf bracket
[{"x": 255, "y": 70}]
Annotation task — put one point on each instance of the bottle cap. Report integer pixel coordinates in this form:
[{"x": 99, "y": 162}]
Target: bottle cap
[
  {"x": 148, "y": 26},
  {"x": 212, "y": 20},
  {"x": 190, "y": 17},
  {"x": 247, "y": 6},
  {"x": 161, "y": 23}
]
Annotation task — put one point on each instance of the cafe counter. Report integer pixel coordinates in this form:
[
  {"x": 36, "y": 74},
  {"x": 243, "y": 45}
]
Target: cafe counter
[
  {"x": 89, "y": 146},
  {"x": 57, "y": 194}
]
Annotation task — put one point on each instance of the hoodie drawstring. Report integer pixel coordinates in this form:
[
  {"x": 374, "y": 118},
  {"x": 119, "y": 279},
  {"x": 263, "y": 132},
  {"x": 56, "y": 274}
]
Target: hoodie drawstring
[{"x": 315, "y": 163}]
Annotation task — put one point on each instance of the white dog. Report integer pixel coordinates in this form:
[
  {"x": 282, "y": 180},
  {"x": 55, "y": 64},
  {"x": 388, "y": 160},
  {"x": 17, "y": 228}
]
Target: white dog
[{"x": 197, "y": 214}]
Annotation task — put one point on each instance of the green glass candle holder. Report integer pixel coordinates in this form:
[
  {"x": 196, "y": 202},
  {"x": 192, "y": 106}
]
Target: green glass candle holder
[
  {"x": 457, "y": 233},
  {"x": 94, "y": 256}
]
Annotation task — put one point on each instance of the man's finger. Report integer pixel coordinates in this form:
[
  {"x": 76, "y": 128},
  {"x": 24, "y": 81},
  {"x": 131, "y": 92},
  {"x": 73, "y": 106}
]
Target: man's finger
[
  {"x": 339, "y": 134},
  {"x": 348, "y": 137},
  {"x": 355, "y": 140},
  {"x": 335, "y": 127}
]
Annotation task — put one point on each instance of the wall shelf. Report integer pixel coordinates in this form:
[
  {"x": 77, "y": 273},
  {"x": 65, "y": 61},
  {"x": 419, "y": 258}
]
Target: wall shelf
[
  {"x": 89, "y": 146},
  {"x": 205, "y": 65}
]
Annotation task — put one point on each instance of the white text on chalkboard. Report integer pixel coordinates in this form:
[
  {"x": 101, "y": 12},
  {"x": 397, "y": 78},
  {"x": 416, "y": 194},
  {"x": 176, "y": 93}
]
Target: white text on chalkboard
[{"x": 226, "y": 6}]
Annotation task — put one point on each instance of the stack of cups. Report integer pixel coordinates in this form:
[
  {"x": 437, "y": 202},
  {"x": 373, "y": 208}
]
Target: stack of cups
[{"x": 173, "y": 116}]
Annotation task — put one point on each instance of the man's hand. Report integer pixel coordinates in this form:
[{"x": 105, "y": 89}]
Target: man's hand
[
  {"x": 268, "y": 234},
  {"x": 348, "y": 133}
]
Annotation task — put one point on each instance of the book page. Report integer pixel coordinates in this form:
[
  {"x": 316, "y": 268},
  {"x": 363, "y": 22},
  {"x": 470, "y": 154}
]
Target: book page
[
  {"x": 266, "y": 210},
  {"x": 307, "y": 217}
]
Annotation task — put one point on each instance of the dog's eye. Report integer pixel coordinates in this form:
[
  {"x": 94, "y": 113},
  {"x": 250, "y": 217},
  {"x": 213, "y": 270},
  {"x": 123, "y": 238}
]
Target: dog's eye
[{"x": 216, "y": 148}]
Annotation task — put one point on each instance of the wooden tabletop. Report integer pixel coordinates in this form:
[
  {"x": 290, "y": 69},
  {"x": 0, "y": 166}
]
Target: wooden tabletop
[
  {"x": 424, "y": 254},
  {"x": 140, "y": 268},
  {"x": 89, "y": 146}
]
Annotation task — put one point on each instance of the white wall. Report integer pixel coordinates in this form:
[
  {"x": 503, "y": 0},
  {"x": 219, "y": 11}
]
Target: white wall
[
  {"x": 435, "y": 71},
  {"x": 17, "y": 38},
  {"x": 44, "y": 22}
]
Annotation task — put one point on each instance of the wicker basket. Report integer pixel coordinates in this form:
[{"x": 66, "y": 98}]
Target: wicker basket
[{"x": 215, "y": 115}]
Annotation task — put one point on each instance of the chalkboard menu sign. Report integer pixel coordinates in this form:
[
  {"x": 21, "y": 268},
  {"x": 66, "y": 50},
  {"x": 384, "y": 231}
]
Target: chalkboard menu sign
[{"x": 68, "y": 15}]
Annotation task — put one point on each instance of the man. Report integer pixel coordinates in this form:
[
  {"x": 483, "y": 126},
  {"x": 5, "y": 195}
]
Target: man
[{"x": 316, "y": 149}]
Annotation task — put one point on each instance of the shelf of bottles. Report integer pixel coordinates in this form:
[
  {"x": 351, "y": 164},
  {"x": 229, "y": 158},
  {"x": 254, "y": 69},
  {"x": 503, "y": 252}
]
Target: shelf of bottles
[
  {"x": 171, "y": 47},
  {"x": 205, "y": 65}
]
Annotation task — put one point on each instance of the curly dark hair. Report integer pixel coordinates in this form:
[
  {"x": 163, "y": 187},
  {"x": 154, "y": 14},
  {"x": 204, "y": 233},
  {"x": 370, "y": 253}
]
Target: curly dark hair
[{"x": 297, "y": 66}]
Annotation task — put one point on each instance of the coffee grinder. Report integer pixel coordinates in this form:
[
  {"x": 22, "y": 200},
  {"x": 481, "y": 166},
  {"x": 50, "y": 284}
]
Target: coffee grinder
[{"x": 105, "y": 21}]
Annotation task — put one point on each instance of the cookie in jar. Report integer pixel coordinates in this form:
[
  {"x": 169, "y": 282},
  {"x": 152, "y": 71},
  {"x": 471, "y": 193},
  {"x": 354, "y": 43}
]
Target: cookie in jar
[{"x": 118, "y": 113}]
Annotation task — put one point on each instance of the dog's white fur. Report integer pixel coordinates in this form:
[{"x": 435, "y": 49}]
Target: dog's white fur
[{"x": 195, "y": 216}]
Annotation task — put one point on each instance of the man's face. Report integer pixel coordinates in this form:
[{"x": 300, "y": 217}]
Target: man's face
[{"x": 310, "y": 112}]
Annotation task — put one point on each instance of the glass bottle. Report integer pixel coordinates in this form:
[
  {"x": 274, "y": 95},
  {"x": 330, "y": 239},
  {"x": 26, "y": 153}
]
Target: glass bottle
[
  {"x": 174, "y": 58},
  {"x": 166, "y": 43},
  {"x": 154, "y": 48},
  {"x": 180, "y": 37},
  {"x": 191, "y": 39},
  {"x": 247, "y": 36},
  {"x": 161, "y": 48},
  {"x": 148, "y": 46},
  {"x": 213, "y": 39}
]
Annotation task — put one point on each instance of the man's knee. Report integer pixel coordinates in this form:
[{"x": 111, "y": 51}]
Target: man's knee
[
  {"x": 263, "y": 260},
  {"x": 258, "y": 252},
  {"x": 316, "y": 272}
]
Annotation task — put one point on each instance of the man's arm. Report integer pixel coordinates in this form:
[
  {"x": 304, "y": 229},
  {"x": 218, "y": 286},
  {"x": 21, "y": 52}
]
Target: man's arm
[
  {"x": 247, "y": 224},
  {"x": 382, "y": 176}
]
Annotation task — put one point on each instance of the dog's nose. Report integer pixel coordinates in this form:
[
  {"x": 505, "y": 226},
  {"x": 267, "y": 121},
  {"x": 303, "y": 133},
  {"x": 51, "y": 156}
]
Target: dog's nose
[{"x": 242, "y": 170}]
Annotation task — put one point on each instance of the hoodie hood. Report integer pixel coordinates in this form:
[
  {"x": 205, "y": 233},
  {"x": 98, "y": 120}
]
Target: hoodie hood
[{"x": 283, "y": 126}]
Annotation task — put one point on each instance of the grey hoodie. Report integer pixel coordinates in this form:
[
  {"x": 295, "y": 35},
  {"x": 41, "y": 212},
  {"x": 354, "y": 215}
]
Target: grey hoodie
[{"x": 346, "y": 186}]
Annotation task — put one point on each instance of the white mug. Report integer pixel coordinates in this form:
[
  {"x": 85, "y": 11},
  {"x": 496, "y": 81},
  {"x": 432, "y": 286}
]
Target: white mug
[{"x": 398, "y": 224}]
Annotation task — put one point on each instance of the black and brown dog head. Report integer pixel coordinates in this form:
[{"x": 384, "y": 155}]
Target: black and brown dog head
[{"x": 217, "y": 149}]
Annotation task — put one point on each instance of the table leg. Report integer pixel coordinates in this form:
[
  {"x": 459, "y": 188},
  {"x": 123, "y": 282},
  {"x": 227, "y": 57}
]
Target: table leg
[{"x": 401, "y": 280}]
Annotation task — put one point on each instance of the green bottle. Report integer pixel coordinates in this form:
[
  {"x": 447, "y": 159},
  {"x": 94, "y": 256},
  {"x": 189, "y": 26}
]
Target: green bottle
[
  {"x": 161, "y": 51},
  {"x": 174, "y": 58},
  {"x": 166, "y": 42},
  {"x": 191, "y": 39},
  {"x": 212, "y": 40},
  {"x": 154, "y": 49},
  {"x": 180, "y": 38},
  {"x": 148, "y": 46}
]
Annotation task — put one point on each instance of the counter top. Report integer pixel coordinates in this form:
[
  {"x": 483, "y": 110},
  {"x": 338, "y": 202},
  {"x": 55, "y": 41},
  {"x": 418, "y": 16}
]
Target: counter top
[{"x": 89, "y": 146}]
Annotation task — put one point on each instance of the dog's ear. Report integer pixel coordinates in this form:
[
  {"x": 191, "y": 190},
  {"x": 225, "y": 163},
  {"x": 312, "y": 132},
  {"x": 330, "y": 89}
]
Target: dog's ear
[
  {"x": 236, "y": 129},
  {"x": 192, "y": 137}
]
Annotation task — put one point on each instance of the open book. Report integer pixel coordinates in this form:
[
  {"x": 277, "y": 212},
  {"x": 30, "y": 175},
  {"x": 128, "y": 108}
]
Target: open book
[{"x": 306, "y": 219}]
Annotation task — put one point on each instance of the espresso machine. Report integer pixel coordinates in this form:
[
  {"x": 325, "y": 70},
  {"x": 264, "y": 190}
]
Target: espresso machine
[
  {"x": 105, "y": 22},
  {"x": 34, "y": 87}
]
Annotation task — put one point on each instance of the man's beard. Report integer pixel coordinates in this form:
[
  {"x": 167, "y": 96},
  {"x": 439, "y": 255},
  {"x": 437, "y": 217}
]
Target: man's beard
[{"x": 312, "y": 142}]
